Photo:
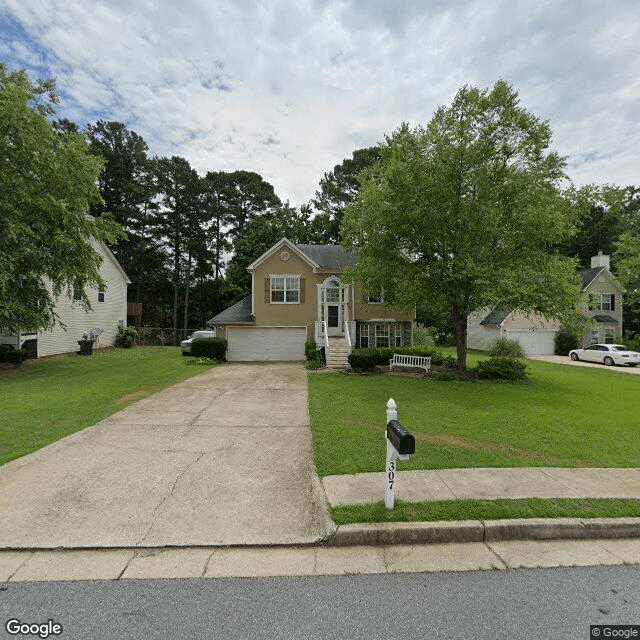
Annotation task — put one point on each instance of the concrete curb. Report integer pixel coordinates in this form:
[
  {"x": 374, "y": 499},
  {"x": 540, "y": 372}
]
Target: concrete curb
[{"x": 389, "y": 533}]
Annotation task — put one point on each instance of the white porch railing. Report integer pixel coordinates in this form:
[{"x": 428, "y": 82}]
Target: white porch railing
[
  {"x": 322, "y": 334},
  {"x": 347, "y": 336}
]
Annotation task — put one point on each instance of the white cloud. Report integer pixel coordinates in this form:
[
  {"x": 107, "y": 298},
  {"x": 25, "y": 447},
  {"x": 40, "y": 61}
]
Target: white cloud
[{"x": 288, "y": 89}]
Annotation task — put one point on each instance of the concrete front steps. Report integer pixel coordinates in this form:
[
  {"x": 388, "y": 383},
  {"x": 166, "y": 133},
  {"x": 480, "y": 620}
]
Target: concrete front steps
[{"x": 338, "y": 354}]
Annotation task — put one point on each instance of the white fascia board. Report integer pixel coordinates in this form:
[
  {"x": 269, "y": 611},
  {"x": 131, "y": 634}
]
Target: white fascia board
[
  {"x": 605, "y": 272},
  {"x": 284, "y": 243}
]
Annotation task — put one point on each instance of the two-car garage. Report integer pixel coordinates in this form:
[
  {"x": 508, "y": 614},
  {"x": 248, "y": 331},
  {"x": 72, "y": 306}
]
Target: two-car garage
[{"x": 256, "y": 344}]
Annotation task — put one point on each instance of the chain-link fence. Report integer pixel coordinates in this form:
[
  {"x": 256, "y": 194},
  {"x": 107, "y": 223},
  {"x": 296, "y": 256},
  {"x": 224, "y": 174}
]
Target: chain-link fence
[{"x": 162, "y": 337}]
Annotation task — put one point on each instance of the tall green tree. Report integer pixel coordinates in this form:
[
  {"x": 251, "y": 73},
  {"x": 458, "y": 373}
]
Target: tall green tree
[
  {"x": 338, "y": 189},
  {"x": 129, "y": 194},
  {"x": 247, "y": 195},
  {"x": 467, "y": 213},
  {"x": 48, "y": 183},
  {"x": 178, "y": 221},
  {"x": 599, "y": 223}
]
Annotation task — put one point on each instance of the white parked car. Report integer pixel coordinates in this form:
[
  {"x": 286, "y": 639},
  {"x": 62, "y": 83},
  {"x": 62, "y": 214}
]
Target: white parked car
[
  {"x": 185, "y": 345},
  {"x": 608, "y": 354}
]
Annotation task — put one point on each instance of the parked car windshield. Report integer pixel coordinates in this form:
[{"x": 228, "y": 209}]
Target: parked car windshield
[
  {"x": 619, "y": 347},
  {"x": 202, "y": 334}
]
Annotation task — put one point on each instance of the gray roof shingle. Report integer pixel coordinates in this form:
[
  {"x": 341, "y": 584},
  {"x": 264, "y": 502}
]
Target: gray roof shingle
[
  {"x": 239, "y": 313},
  {"x": 329, "y": 256}
]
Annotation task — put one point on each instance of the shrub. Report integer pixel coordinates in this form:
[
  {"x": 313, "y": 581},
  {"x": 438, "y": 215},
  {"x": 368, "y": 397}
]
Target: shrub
[
  {"x": 506, "y": 347},
  {"x": 367, "y": 359},
  {"x": 565, "y": 341},
  {"x": 213, "y": 348},
  {"x": 312, "y": 353},
  {"x": 314, "y": 364},
  {"x": 501, "y": 368},
  {"x": 126, "y": 337},
  {"x": 424, "y": 335},
  {"x": 12, "y": 356}
]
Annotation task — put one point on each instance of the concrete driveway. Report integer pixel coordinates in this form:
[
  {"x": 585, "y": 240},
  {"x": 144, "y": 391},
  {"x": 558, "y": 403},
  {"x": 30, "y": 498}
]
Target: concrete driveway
[
  {"x": 224, "y": 458},
  {"x": 580, "y": 363}
]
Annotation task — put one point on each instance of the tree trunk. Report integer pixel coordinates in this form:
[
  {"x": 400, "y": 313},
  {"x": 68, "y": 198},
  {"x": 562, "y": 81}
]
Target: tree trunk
[
  {"x": 460, "y": 322},
  {"x": 186, "y": 299}
]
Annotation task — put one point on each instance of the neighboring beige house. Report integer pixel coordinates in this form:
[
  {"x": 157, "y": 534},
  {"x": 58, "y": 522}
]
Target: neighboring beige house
[
  {"x": 109, "y": 310},
  {"x": 602, "y": 313},
  {"x": 297, "y": 295}
]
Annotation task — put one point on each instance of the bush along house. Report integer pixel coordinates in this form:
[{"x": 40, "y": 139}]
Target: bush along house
[{"x": 297, "y": 295}]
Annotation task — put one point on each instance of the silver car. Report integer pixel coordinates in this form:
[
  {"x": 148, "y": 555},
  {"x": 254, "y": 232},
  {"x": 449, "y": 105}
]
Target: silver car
[
  {"x": 185, "y": 345},
  {"x": 608, "y": 354}
]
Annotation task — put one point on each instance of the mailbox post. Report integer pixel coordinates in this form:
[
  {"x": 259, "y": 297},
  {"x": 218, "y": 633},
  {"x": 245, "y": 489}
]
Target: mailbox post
[{"x": 400, "y": 445}]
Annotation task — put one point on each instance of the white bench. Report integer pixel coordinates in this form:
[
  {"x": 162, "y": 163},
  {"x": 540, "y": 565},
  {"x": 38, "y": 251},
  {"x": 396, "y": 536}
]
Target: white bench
[{"x": 418, "y": 362}]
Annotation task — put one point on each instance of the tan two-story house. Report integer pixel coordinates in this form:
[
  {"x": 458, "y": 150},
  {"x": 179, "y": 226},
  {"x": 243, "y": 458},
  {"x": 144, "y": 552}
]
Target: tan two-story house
[
  {"x": 297, "y": 295},
  {"x": 601, "y": 312}
]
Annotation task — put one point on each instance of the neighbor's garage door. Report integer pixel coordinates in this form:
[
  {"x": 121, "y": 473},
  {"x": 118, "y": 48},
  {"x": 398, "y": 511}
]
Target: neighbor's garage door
[
  {"x": 249, "y": 344},
  {"x": 535, "y": 343}
]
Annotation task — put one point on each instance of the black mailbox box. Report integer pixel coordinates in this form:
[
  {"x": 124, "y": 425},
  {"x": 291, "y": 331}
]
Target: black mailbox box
[{"x": 400, "y": 438}]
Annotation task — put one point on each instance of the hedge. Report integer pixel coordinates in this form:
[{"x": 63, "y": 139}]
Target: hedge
[
  {"x": 367, "y": 359},
  {"x": 214, "y": 348}
]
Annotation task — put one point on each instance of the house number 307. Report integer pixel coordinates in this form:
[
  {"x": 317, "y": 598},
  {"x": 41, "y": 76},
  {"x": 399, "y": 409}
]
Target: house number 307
[{"x": 392, "y": 473}]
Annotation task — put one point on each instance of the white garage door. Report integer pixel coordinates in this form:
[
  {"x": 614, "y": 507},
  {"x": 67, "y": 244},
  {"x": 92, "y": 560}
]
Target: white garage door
[
  {"x": 255, "y": 344},
  {"x": 535, "y": 343}
]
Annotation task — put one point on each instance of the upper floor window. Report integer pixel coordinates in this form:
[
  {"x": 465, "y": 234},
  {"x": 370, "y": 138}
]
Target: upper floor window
[
  {"x": 100, "y": 296},
  {"x": 601, "y": 301},
  {"x": 285, "y": 288}
]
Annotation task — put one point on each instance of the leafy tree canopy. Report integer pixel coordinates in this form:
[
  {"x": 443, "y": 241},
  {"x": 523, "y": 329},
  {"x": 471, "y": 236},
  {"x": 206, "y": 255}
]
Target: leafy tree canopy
[
  {"x": 467, "y": 213},
  {"x": 338, "y": 189},
  {"x": 47, "y": 184}
]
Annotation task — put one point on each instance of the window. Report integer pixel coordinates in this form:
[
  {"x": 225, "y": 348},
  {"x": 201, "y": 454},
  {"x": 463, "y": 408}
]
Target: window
[
  {"x": 100, "y": 296},
  {"x": 285, "y": 288},
  {"x": 595, "y": 336},
  {"x": 601, "y": 301},
  {"x": 364, "y": 336},
  {"x": 382, "y": 335},
  {"x": 608, "y": 336}
]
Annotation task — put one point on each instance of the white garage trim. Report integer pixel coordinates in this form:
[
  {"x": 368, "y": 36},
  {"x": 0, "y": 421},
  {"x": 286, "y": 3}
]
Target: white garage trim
[
  {"x": 534, "y": 343},
  {"x": 257, "y": 344}
]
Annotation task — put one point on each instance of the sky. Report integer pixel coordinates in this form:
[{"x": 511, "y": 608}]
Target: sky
[{"x": 288, "y": 89}]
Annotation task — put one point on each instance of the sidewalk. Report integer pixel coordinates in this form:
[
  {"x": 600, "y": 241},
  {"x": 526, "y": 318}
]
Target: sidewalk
[{"x": 486, "y": 484}]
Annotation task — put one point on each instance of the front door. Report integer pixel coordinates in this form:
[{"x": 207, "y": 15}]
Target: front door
[{"x": 333, "y": 318}]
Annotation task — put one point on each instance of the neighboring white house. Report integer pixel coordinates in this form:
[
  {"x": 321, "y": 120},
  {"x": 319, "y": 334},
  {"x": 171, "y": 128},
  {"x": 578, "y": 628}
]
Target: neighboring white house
[
  {"x": 602, "y": 312},
  {"x": 109, "y": 310}
]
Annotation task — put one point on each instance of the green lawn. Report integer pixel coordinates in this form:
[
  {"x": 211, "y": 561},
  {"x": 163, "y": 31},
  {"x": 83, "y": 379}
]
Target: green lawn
[
  {"x": 565, "y": 416},
  {"x": 45, "y": 400}
]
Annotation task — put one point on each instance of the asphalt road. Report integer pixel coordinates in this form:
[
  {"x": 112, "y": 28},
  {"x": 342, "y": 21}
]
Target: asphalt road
[{"x": 521, "y": 604}]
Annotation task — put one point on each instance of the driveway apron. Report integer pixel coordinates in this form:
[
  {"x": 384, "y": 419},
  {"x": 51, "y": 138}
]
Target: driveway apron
[{"x": 223, "y": 458}]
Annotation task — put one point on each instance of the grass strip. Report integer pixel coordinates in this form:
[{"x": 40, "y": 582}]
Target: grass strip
[{"x": 433, "y": 511}]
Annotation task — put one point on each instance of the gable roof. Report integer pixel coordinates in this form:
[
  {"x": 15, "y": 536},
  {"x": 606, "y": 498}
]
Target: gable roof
[
  {"x": 589, "y": 275},
  {"x": 239, "y": 313},
  {"x": 318, "y": 256}
]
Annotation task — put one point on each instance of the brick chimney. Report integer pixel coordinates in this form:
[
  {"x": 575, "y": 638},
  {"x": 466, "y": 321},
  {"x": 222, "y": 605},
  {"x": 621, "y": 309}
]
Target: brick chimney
[{"x": 599, "y": 261}]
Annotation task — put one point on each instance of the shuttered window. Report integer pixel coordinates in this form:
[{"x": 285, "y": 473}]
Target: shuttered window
[{"x": 285, "y": 289}]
